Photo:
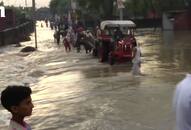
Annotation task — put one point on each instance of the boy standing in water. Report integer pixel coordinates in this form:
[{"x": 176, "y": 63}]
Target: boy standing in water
[
  {"x": 136, "y": 60},
  {"x": 17, "y": 100}
]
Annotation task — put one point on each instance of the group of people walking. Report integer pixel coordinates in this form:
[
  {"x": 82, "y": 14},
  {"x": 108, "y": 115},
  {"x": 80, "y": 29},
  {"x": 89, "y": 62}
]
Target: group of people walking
[
  {"x": 67, "y": 37},
  {"x": 75, "y": 38}
]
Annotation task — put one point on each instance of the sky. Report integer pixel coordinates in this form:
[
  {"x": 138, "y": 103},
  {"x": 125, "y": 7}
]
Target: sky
[{"x": 39, "y": 3}]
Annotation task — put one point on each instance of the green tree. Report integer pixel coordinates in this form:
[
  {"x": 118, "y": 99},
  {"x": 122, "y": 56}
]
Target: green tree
[
  {"x": 53, "y": 6},
  {"x": 103, "y": 8},
  {"x": 142, "y": 7},
  {"x": 1, "y": 3},
  {"x": 58, "y": 6}
]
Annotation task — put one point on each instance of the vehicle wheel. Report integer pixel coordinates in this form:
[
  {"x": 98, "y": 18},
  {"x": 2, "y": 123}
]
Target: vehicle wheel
[
  {"x": 101, "y": 56},
  {"x": 101, "y": 59},
  {"x": 111, "y": 60},
  {"x": 95, "y": 52}
]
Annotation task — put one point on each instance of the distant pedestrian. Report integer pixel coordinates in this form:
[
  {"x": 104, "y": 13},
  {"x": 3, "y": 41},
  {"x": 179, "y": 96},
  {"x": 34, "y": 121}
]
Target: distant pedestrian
[
  {"x": 182, "y": 104},
  {"x": 57, "y": 37},
  {"x": 118, "y": 35},
  {"x": 98, "y": 32},
  {"x": 52, "y": 25},
  {"x": 67, "y": 44},
  {"x": 136, "y": 69},
  {"x": 46, "y": 21},
  {"x": 41, "y": 25},
  {"x": 17, "y": 100},
  {"x": 79, "y": 41}
]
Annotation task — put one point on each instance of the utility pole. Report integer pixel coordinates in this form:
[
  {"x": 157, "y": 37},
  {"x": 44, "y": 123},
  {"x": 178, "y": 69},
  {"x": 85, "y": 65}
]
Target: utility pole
[
  {"x": 34, "y": 21},
  {"x": 73, "y": 7},
  {"x": 25, "y": 3},
  {"x": 120, "y": 6},
  {"x": 70, "y": 13},
  {"x": 121, "y": 13}
]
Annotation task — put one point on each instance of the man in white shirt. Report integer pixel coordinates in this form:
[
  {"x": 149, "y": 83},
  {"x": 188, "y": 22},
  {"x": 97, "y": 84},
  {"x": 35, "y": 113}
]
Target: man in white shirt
[{"x": 182, "y": 104}]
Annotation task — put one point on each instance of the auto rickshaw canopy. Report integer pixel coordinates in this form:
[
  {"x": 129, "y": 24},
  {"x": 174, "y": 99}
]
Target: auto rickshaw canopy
[{"x": 117, "y": 23}]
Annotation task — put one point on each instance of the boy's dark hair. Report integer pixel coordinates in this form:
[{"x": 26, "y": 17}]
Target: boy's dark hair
[{"x": 14, "y": 95}]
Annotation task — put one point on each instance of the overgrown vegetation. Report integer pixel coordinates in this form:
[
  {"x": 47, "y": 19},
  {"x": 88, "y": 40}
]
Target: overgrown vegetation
[{"x": 106, "y": 9}]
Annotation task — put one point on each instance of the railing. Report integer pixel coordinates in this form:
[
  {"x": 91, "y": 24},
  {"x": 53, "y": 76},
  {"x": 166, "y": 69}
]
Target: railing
[{"x": 16, "y": 34}]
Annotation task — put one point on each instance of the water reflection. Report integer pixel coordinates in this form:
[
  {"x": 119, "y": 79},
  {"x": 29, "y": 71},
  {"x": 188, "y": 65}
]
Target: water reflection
[
  {"x": 107, "y": 71},
  {"x": 168, "y": 37}
]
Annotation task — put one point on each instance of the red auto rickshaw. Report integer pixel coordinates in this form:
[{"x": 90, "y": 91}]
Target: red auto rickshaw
[{"x": 120, "y": 49}]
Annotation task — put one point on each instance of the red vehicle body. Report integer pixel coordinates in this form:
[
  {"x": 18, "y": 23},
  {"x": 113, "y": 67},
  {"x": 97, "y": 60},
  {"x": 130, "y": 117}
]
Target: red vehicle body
[
  {"x": 123, "y": 51},
  {"x": 120, "y": 50}
]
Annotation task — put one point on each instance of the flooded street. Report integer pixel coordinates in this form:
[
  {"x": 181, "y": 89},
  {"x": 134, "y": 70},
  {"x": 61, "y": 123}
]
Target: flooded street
[{"x": 73, "y": 91}]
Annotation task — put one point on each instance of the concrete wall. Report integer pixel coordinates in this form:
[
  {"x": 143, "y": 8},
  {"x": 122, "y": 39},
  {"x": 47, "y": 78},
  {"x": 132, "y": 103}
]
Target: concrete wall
[
  {"x": 183, "y": 21},
  {"x": 168, "y": 24},
  {"x": 16, "y": 34},
  {"x": 177, "y": 20}
]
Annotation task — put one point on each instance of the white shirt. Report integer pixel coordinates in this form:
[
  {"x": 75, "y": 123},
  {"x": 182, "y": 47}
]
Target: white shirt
[
  {"x": 15, "y": 126},
  {"x": 137, "y": 58},
  {"x": 182, "y": 104}
]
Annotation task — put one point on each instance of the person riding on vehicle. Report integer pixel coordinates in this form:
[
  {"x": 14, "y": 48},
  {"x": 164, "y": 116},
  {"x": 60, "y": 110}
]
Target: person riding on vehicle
[{"x": 118, "y": 35}]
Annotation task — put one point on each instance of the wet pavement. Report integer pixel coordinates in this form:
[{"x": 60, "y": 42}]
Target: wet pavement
[{"x": 74, "y": 91}]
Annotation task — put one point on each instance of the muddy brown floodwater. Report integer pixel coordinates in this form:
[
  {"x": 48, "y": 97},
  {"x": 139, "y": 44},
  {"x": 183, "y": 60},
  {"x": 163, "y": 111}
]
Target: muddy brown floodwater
[{"x": 73, "y": 91}]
